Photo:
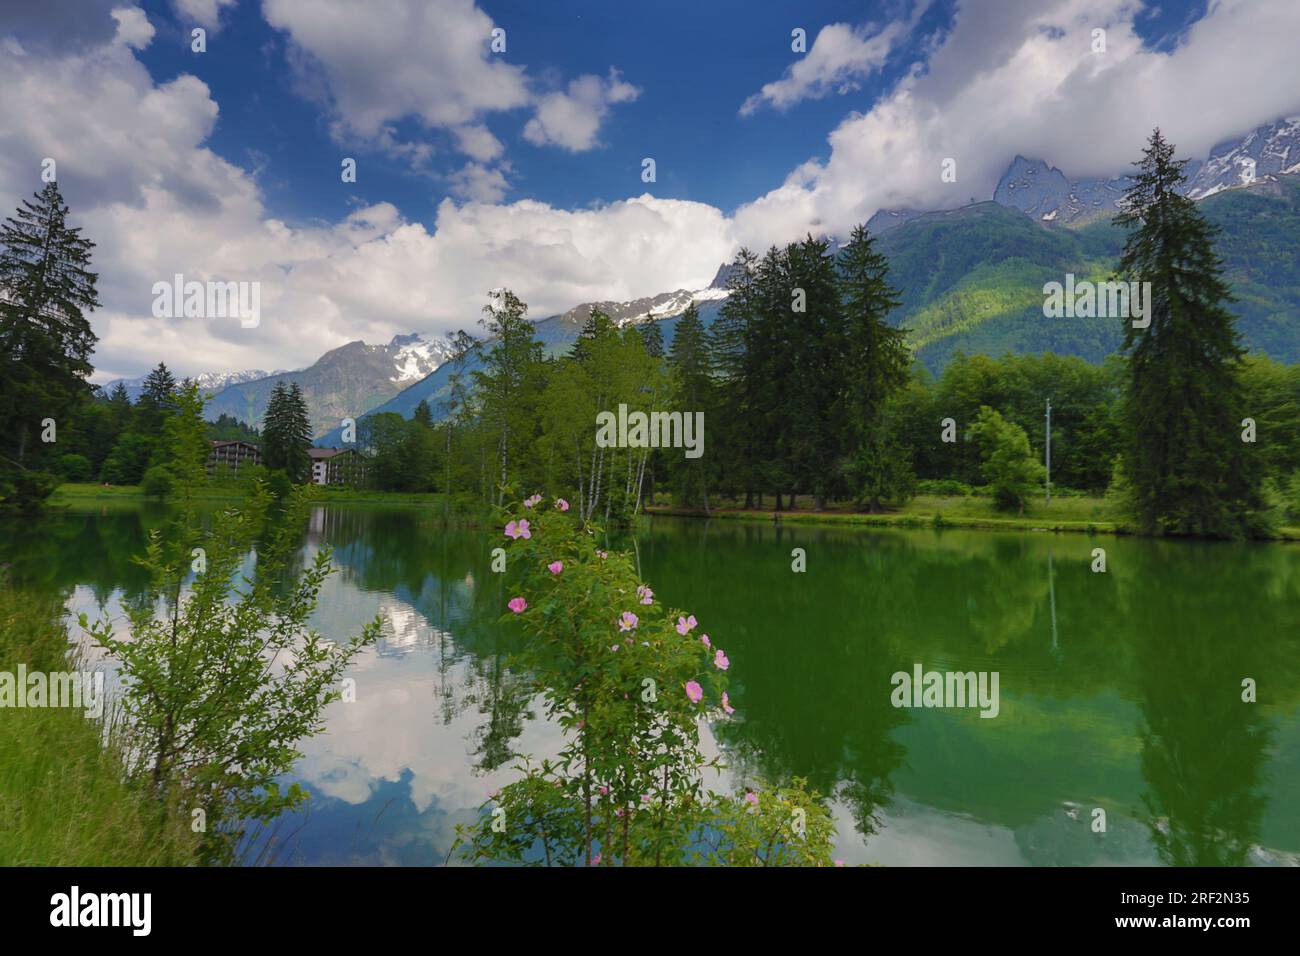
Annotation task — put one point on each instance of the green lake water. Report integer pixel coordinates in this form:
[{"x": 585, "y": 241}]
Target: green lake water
[{"x": 1119, "y": 690}]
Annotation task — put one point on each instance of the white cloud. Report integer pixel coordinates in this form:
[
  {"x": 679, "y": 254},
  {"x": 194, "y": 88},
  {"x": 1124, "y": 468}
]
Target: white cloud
[
  {"x": 206, "y": 13},
  {"x": 479, "y": 183},
  {"x": 841, "y": 55},
  {"x": 1020, "y": 77},
  {"x": 135, "y": 168},
  {"x": 571, "y": 119},
  {"x": 133, "y": 27},
  {"x": 381, "y": 62},
  {"x": 478, "y": 143}
]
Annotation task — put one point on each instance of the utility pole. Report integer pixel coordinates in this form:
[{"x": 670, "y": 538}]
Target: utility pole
[{"x": 1049, "y": 451}]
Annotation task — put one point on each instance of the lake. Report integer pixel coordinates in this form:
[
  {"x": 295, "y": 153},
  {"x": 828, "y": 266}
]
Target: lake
[{"x": 1119, "y": 691}]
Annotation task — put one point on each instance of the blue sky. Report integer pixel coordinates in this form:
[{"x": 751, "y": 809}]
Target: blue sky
[
  {"x": 478, "y": 169},
  {"x": 694, "y": 63}
]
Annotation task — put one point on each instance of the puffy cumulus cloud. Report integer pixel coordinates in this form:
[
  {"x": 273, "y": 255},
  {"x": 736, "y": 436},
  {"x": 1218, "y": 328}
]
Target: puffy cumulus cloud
[
  {"x": 478, "y": 143},
  {"x": 571, "y": 118},
  {"x": 133, "y": 27},
  {"x": 382, "y": 62},
  {"x": 479, "y": 183},
  {"x": 386, "y": 60},
  {"x": 206, "y": 13},
  {"x": 1021, "y": 77},
  {"x": 133, "y": 164},
  {"x": 840, "y": 56}
]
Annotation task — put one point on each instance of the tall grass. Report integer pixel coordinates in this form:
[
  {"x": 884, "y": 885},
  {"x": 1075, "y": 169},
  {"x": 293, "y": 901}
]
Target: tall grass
[{"x": 64, "y": 800}]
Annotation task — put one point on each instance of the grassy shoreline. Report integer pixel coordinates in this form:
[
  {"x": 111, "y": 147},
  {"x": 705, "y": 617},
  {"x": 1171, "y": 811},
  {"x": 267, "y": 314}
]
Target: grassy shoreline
[
  {"x": 1075, "y": 514},
  {"x": 64, "y": 799}
]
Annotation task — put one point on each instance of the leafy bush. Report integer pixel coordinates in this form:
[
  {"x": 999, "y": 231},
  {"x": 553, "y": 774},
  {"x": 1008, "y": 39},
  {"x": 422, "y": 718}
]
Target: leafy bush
[
  {"x": 157, "y": 481},
  {"x": 629, "y": 680},
  {"x": 74, "y": 468}
]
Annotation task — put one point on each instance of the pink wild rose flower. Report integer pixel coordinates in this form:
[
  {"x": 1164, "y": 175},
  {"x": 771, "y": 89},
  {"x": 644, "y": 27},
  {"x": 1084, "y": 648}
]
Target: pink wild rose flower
[
  {"x": 686, "y": 624},
  {"x": 555, "y": 567},
  {"x": 517, "y": 605},
  {"x": 694, "y": 691}
]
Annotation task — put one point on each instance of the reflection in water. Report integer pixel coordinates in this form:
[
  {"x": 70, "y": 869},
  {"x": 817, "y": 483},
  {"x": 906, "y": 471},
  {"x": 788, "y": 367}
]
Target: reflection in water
[{"x": 1119, "y": 690}]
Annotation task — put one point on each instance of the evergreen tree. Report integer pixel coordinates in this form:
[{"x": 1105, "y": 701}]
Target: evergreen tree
[
  {"x": 652, "y": 335},
  {"x": 157, "y": 398},
  {"x": 423, "y": 414},
  {"x": 877, "y": 363},
  {"x": 45, "y": 339},
  {"x": 1189, "y": 471},
  {"x": 690, "y": 361},
  {"x": 735, "y": 360},
  {"x": 286, "y": 432},
  {"x": 597, "y": 324}
]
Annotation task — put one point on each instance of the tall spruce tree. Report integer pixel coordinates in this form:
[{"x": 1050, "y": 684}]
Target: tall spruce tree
[
  {"x": 46, "y": 286},
  {"x": 1189, "y": 470},
  {"x": 286, "y": 432},
  {"x": 157, "y": 398},
  {"x": 738, "y": 435},
  {"x": 690, "y": 361},
  {"x": 877, "y": 363}
]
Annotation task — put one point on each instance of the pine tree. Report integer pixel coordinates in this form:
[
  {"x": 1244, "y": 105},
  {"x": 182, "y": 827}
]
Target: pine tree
[
  {"x": 423, "y": 414},
  {"x": 690, "y": 361},
  {"x": 286, "y": 432},
  {"x": 652, "y": 334},
  {"x": 157, "y": 398},
  {"x": 597, "y": 324},
  {"x": 735, "y": 361},
  {"x": 877, "y": 362},
  {"x": 45, "y": 339},
  {"x": 1189, "y": 471}
]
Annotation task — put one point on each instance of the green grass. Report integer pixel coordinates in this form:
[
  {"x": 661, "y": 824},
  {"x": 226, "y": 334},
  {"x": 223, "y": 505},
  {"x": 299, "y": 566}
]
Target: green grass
[
  {"x": 63, "y": 799},
  {"x": 1079, "y": 513}
]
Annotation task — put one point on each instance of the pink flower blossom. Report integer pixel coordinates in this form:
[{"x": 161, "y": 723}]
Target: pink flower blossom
[
  {"x": 705, "y": 639},
  {"x": 595, "y": 860},
  {"x": 561, "y": 504},
  {"x": 627, "y": 622},
  {"x": 555, "y": 567},
  {"x": 518, "y": 530},
  {"x": 529, "y": 502},
  {"x": 645, "y": 798},
  {"x": 645, "y": 594},
  {"x": 720, "y": 660},
  {"x": 751, "y": 798},
  {"x": 686, "y": 624},
  {"x": 726, "y": 703},
  {"x": 602, "y": 554},
  {"x": 614, "y": 647},
  {"x": 517, "y": 605},
  {"x": 604, "y": 790},
  {"x": 694, "y": 691}
]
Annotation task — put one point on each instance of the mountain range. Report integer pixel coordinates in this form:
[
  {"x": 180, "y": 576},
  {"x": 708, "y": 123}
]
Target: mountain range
[{"x": 970, "y": 279}]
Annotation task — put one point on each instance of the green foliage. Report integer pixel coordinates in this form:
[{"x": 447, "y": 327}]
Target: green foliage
[
  {"x": 1010, "y": 468},
  {"x": 74, "y": 467},
  {"x": 45, "y": 340},
  {"x": 224, "y": 681},
  {"x": 158, "y": 481},
  {"x": 1190, "y": 472},
  {"x": 286, "y": 432},
  {"x": 629, "y": 681}
]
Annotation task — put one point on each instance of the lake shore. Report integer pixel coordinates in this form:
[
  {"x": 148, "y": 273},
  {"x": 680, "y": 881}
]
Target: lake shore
[{"x": 1075, "y": 514}]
